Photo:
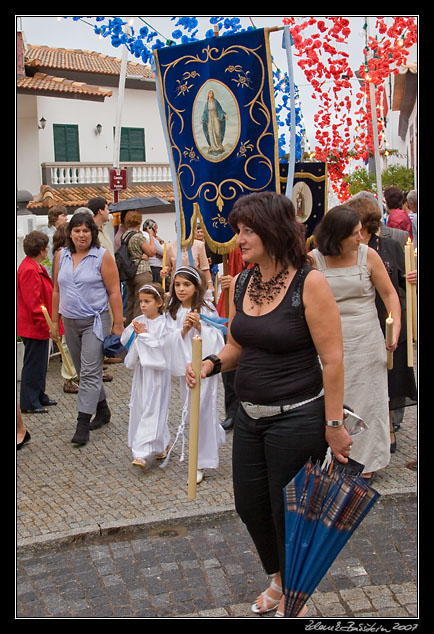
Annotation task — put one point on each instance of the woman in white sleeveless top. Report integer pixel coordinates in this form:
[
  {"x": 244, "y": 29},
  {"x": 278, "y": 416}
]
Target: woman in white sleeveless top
[{"x": 354, "y": 271}]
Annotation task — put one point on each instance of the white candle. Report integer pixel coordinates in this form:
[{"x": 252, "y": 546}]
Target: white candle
[
  {"x": 408, "y": 303},
  {"x": 413, "y": 294},
  {"x": 389, "y": 340},
  {"x": 163, "y": 268}
]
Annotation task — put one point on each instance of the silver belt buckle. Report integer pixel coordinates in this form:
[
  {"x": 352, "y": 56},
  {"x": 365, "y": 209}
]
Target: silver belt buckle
[
  {"x": 252, "y": 410},
  {"x": 259, "y": 411}
]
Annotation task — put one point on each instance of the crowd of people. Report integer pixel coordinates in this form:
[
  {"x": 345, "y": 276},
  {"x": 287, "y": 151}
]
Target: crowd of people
[{"x": 305, "y": 335}]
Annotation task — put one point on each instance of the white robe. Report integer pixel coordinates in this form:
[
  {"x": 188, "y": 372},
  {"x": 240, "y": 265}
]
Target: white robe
[
  {"x": 148, "y": 432},
  {"x": 212, "y": 436}
]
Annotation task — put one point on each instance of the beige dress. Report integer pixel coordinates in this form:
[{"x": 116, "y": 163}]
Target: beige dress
[{"x": 364, "y": 357}]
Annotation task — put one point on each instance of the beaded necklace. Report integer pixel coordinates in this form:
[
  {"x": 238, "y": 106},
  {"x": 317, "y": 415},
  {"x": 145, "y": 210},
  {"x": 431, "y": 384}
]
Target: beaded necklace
[{"x": 260, "y": 291}]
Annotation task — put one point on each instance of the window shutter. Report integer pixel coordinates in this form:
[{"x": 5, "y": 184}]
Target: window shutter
[
  {"x": 66, "y": 146},
  {"x": 132, "y": 145}
]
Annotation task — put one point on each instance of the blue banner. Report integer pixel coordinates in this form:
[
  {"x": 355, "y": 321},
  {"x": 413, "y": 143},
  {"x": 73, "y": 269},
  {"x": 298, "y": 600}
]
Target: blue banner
[
  {"x": 217, "y": 106},
  {"x": 308, "y": 192}
]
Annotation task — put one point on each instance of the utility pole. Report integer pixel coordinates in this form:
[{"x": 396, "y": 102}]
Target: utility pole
[
  {"x": 375, "y": 132},
  {"x": 120, "y": 104}
]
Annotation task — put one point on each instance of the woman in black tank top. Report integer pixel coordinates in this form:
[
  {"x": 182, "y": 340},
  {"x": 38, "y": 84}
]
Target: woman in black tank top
[{"x": 283, "y": 321}]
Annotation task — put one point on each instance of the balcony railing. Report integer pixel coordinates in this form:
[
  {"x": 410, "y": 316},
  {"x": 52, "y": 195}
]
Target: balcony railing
[{"x": 79, "y": 174}]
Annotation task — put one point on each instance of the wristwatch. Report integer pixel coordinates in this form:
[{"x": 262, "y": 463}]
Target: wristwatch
[
  {"x": 336, "y": 423},
  {"x": 217, "y": 364}
]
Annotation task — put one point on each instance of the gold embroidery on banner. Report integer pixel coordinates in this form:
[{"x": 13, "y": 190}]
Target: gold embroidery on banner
[
  {"x": 245, "y": 146},
  {"x": 243, "y": 79}
]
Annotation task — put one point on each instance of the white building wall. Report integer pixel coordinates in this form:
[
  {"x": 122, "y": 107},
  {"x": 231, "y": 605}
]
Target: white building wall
[
  {"x": 27, "y": 144},
  {"x": 140, "y": 110}
]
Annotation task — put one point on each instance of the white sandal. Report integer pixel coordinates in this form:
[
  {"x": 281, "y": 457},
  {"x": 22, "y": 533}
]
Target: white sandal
[
  {"x": 268, "y": 603},
  {"x": 139, "y": 462}
]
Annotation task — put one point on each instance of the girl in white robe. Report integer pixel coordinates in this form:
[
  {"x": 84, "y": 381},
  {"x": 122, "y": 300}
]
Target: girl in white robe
[
  {"x": 185, "y": 307},
  {"x": 148, "y": 432}
]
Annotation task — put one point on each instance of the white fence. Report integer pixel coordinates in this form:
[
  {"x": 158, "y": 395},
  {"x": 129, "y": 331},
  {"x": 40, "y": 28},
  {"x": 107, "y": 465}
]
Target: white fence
[{"x": 68, "y": 174}]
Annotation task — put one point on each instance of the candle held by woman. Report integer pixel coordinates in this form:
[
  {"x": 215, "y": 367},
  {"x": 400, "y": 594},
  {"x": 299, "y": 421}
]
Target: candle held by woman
[
  {"x": 409, "y": 307},
  {"x": 163, "y": 267},
  {"x": 389, "y": 340}
]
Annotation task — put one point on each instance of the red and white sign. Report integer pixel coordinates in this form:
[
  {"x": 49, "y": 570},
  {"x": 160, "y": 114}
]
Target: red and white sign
[{"x": 118, "y": 179}]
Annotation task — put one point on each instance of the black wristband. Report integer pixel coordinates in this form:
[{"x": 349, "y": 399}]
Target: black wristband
[{"x": 217, "y": 364}]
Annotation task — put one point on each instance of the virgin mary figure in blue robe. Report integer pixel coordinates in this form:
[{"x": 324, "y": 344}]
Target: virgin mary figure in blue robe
[{"x": 214, "y": 124}]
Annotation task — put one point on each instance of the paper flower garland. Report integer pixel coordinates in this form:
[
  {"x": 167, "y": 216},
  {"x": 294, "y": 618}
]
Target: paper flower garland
[
  {"x": 316, "y": 41},
  {"x": 144, "y": 41},
  {"x": 341, "y": 134}
]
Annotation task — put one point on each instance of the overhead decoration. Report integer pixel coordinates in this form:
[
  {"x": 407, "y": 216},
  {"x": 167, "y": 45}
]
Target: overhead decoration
[
  {"x": 343, "y": 135},
  {"x": 343, "y": 119},
  {"x": 218, "y": 112},
  {"x": 143, "y": 41}
]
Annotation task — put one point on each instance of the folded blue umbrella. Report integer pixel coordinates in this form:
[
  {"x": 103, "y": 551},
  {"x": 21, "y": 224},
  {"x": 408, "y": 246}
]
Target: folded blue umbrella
[{"x": 113, "y": 347}]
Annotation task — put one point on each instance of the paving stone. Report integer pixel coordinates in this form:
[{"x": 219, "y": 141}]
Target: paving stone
[{"x": 99, "y": 539}]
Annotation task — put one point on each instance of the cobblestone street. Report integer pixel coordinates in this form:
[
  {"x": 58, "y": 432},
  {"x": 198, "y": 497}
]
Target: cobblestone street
[{"x": 98, "y": 538}]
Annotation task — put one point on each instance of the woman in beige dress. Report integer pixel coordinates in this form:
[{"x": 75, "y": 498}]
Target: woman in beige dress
[{"x": 354, "y": 271}]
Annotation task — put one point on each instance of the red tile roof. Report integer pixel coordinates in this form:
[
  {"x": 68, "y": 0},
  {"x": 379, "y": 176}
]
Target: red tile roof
[
  {"x": 78, "y": 60},
  {"x": 48, "y": 83},
  {"x": 78, "y": 196}
]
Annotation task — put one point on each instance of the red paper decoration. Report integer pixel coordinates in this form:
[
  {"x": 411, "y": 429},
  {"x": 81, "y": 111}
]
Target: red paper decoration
[{"x": 322, "y": 61}]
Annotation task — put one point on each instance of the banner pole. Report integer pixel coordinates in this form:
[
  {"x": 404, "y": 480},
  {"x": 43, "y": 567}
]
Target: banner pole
[
  {"x": 291, "y": 163},
  {"x": 193, "y": 443}
]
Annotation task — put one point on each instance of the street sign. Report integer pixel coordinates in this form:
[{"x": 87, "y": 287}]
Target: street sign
[{"x": 118, "y": 179}]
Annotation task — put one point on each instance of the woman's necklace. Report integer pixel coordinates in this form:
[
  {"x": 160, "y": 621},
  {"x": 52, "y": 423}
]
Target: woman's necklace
[{"x": 260, "y": 291}]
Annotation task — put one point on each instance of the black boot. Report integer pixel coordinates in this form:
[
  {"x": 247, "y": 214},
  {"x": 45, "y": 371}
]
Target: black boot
[
  {"x": 81, "y": 435},
  {"x": 102, "y": 416}
]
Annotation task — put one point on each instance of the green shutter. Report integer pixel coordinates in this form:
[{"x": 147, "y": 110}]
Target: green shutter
[
  {"x": 132, "y": 145},
  {"x": 66, "y": 146}
]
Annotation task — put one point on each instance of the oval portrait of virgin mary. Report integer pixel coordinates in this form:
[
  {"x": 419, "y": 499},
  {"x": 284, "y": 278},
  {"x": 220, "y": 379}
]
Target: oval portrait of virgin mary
[{"x": 216, "y": 121}]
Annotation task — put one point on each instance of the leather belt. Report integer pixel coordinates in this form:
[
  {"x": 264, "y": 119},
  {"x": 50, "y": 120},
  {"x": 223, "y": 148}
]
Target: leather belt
[{"x": 265, "y": 411}]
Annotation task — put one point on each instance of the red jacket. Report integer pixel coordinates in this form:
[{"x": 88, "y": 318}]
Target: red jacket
[
  {"x": 34, "y": 289},
  {"x": 399, "y": 219}
]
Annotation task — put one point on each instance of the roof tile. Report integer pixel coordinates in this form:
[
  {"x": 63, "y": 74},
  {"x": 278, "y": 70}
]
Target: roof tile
[
  {"x": 78, "y": 196},
  {"x": 42, "y": 81},
  {"x": 78, "y": 60}
]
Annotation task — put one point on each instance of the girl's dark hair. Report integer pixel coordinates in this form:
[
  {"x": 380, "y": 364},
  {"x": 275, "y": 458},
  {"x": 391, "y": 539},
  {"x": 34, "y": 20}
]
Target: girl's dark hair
[
  {"x": 34, "y": 243},
  {"x": 82, "y": 218},
  {"x": 337, "y": 224},
  {"x": 156, "y": 291},
  {"x": 59, "y": 238},
  {"x": 198, "y": 299},
  {"x": 272, "y": 217}
]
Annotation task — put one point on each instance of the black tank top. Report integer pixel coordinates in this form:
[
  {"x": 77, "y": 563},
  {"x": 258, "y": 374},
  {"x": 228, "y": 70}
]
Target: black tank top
[{"x": 279, "y": 363}]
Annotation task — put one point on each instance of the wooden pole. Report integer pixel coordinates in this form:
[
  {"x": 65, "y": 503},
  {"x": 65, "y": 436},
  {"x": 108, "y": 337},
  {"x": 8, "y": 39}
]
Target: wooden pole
[
  {"x": 59, "y": 345},
  {"x": 226, "y": 290},
  {"x": 375, "y": 134},
  {"x": 193, "y": 445}
]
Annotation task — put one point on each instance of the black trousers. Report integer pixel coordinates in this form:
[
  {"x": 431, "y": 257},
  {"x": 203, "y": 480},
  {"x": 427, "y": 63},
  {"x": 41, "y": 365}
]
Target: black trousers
[
  {"x": 267, "y": 454},
  {"x": 34, "y": 373}
]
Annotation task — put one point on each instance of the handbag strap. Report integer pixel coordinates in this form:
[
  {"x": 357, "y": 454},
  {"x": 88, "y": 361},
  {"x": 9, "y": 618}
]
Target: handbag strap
[{"x": 240, "y": 284}]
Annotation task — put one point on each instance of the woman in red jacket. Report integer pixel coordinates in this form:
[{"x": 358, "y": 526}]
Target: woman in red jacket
[{"x": 34, "y": 289}]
